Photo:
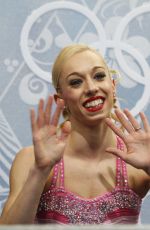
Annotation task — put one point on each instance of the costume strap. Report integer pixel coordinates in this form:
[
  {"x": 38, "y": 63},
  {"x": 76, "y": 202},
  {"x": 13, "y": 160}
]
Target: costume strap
[
  {"x": 55, "y": 175},
  {"x": 61, "y": 178},
  {"x": 121, "y": 169}
]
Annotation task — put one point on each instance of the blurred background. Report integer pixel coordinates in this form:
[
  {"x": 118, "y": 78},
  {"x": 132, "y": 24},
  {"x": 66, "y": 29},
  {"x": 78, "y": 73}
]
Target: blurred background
[{"x": 32, "y": 34}]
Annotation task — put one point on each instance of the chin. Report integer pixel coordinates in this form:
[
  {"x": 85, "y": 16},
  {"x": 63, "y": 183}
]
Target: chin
[{"x": 94, "y": 120}]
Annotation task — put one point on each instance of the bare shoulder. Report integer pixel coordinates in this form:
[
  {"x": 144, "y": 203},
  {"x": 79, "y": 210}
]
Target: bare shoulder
[
  {"x": 21, "y": 166},
  {"x": 26, "y": 153},
  {"x": 139, "y": 181},
  {"x": 19, "y": 172},
  {"x": 24, "y": 160}
]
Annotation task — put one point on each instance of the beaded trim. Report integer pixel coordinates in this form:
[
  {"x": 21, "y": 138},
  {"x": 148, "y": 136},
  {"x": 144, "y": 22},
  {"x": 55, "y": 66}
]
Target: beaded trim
[{"x": 121, "y": 205}]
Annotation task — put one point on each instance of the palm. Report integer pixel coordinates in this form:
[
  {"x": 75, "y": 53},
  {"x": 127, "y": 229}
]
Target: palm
[
  {"x": 48, "y": 146},
  {"x": 138, "y": 150},
  {"x": 137, "y": 142}
]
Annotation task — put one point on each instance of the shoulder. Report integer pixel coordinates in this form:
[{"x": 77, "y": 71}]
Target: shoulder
[
  {"x": 21, "y": 166},
  {"x": 25, "y": 157},
  {"x": 25, "y": 153},
  {"x": 18, "y": 174}
]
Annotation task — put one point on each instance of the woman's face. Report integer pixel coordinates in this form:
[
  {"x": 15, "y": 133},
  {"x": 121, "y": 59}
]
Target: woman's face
[{"x": 86, "y": 87}]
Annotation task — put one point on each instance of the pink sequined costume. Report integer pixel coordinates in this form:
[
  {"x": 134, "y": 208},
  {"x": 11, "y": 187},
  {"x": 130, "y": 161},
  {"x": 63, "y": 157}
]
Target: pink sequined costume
[{"x": 120, "y": 206}]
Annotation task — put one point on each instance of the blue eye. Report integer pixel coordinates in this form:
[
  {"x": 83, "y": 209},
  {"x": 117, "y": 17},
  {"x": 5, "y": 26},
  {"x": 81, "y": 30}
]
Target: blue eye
[
  {"x": 99, "y": 76},
  {"x": 75, "y": 82}
]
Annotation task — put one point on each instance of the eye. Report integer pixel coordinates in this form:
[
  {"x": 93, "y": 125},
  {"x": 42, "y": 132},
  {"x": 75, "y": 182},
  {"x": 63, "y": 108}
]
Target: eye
[
  {"x": 75, "y": 82},
  {"x": 99, "y": 76}
]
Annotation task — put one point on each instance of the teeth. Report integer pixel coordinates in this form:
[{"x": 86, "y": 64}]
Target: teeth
[{"x": 94, "y": 103}]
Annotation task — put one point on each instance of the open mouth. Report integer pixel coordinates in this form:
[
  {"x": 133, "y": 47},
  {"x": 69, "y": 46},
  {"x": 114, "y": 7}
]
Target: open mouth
[{"x": 94, "y": 104}]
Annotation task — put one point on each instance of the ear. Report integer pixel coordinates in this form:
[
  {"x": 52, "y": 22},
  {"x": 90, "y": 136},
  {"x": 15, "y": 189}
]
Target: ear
[
  {"x": 113, "y": 84},
  {"x": 56, "y": 97}
]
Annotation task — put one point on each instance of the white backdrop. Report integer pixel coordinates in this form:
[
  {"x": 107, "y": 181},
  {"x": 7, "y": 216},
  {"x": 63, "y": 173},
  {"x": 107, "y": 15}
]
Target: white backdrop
[{"x": 33, "y": 32}]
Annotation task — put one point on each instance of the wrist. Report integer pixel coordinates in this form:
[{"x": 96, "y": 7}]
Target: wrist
[{"x": 40, "y": 173}]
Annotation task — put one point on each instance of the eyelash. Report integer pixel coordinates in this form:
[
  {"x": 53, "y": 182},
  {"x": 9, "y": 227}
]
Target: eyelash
[
  {"x": 77, "y": 82},
  {"x": 100, "y": 76}
]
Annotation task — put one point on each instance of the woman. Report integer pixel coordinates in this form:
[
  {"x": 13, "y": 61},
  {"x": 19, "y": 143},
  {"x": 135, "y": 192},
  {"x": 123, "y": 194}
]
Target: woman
[{"x": 75, "y": 175}]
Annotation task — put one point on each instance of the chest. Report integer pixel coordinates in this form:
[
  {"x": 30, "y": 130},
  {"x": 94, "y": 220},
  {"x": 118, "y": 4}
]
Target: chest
[
  {"x": 88, "y": 195},
  {"x": 89, "y": 180}
]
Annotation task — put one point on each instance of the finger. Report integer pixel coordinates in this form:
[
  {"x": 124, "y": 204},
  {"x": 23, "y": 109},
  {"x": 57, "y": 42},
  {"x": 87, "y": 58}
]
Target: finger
[
  {"x": 66, "y": 127},
  {"x": 132, "y": 120},
  {"x": 145, "y": 122},
  {"x": 117, "y": 153},
  {"x": 40, "y": 118},
  {"x": 57, "y": 113},
  {"x": 48, "y": 110},
  {"x": 116, "y": 130},
  {"x": 33, "y": 120},
  {"x": 123, "y": 120},
  {"x": 63, "y": 136}
]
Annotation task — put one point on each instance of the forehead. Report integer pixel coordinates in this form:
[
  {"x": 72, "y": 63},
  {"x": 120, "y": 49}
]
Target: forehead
[{"x": 82, "y": 62}]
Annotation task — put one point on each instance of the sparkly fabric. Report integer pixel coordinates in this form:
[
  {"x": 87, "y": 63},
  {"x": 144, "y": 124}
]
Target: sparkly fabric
[{"x": 121, "y": 205}]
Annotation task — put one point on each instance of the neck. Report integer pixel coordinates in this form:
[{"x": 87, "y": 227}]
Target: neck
[{"x": 90, "y": 142}]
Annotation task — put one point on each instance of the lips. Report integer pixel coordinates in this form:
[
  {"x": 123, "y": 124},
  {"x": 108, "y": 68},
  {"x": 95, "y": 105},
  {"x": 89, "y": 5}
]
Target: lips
[{"x": 94, "y": 103}]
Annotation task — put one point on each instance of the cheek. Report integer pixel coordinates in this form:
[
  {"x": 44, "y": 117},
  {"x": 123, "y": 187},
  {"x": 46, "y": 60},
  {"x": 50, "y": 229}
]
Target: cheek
[
  {"x": 110, "y": 92},
  {"x": 69, "y": 97},
  {"x": 107, "y": 87}
]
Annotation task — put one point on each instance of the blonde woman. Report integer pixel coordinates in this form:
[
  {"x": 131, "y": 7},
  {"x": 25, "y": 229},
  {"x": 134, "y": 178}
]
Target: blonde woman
[{"x": 89, "y": 171}]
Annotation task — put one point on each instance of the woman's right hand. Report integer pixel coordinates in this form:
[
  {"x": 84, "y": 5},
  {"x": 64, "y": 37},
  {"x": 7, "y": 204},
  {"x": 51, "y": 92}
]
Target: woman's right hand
[{"x": 48, "y": 147}]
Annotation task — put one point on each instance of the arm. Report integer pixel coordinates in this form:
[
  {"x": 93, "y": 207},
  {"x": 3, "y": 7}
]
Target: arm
[
  {"x": 32, "y": 167},
  {"x": 26, "y": 186}
]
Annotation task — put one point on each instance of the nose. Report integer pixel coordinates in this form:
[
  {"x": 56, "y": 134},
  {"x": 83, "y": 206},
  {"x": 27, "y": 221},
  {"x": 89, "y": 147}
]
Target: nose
[{"x": 91, "y": 87}]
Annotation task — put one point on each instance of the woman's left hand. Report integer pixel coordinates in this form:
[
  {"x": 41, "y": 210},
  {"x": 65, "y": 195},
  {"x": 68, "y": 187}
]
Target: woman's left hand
[{"x": 136, "y": 139}]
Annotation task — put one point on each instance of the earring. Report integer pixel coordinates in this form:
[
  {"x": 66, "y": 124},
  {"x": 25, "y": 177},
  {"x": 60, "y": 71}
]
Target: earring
[
  {"x": 114, "y": 100},
  {"x": 66, "y": 112}
]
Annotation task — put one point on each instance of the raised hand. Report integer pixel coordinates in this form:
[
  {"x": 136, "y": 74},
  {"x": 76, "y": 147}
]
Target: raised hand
[
  {"x": 136, "y": 139},
  {"x": 48, "y": 146}
]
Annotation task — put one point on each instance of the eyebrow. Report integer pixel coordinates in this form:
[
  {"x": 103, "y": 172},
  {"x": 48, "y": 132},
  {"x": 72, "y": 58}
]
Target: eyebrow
[{"x": 80, "y": 75}]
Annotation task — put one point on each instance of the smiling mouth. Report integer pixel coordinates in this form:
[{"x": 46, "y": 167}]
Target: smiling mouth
[{"x": 93, "y": 105}]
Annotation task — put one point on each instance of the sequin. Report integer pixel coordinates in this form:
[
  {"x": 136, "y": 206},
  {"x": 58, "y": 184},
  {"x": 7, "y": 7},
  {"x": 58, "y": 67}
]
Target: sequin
[{"x": 121, "y": 205}]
